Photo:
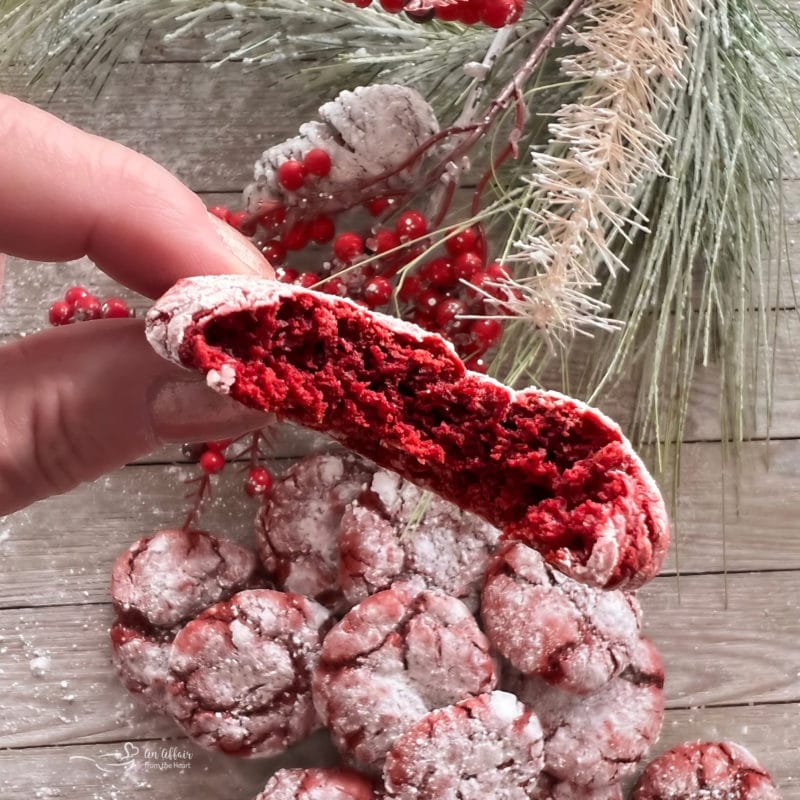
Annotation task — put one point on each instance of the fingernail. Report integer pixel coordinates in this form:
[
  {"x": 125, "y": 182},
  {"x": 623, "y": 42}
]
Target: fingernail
[
  {"x": 186, "y": 410},
  {"x": 243, "y": 249}
]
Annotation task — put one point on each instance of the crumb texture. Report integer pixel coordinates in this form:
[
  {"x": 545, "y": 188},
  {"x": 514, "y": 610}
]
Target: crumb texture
[{"x": 545, "y": 469}]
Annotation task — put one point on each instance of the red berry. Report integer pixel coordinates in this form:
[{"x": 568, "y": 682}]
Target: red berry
[
  {"x": 446, "y": 312},
  {"x": 317, "y": 162},
  {"x": 428, "y": 300},
  {"x": 87, "y": 308},
  {"x": 242, "y": 222},
  {"x": 259, "y": 481},
  {"x": 439, "y": 272},
  {"x": 323, "y": 229},
  {"x": 486, "y": 332},
  {"x": 60, "y": 313},
  {"x": 467, "y": 264},
  {"x": 476, "y": 364},
  {"x": 377, "y": 292},
  {"x": 393, "y": 6},
  {"x": 497, "y": 272},
  {"x": 115, "y": 308},
  {"x": 273, "y": 218},
  {"x": 377, "y": 205},
  {"x": 307, "y": 279},
  {"x": 411, "y": 225},
  {"x": 449, "y": 13},
  {"x": 361, "y": 3},
  {"x": 422, "y": 319},
  {"x": 383, "y": 241},
  {"x": 219, "y": 445},
  {"x": 348, "y": 246},
  {"x": 274, "y": 252},
  {"x": 334, "y": 286},
  {"x": 75, "y": 293},
  {"x": 297, "y": 237},
  {"x": 499, "y": 13},
  {"x": 287, "y": 275},
  {"x": 462, "y": 241},
  {"x": 291, "y": 175},
  {"x": 212, "y": 462},
  {"x": 410, "y": 288},
  {"x": 220, "y": 212}
]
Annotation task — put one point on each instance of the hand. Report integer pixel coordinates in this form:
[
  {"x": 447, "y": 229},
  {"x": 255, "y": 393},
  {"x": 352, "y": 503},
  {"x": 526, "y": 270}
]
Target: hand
[{"x": 80, "y": 400}]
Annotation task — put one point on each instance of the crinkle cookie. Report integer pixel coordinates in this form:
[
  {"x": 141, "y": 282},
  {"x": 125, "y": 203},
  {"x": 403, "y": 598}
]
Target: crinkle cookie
[
  {"x": 141, "y": 661},
  {"x": 165, "y": 579},
  {"x": 706, "y": 771},
  {"x": 573, "y": 636},
  {"x": 396, "y": 656},
  {"x": 297, "y": 530},
  {"x": 548, "y": 788},
  {"x": 489, "y": 746},
  {"x": 241, "y": 672},
  {"x": 594, "y": 741},
  {"x": 382, "y": 541},
  {"x": 544, "y": 468},
  {"x": 317, "y": 784}
]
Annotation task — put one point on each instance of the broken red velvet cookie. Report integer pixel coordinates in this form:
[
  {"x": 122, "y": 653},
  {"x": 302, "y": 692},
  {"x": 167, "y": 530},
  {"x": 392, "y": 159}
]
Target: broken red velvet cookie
[
  {"x": 297, "y": 531},
  {"x": 317, "y": 784},
  {"x": 391, "y": 531},
  {"x": 703, "y": 770},
  {"x": 241, "y": 672},
  {"x": 488, "y": 746},
  {"x": 396, "y": 656},
  {"x": 594, "y": 741},
  {"x": 159, "y": 583},
  {"x": 544, "y": 468},
  {"x": 574, "y": 636}
]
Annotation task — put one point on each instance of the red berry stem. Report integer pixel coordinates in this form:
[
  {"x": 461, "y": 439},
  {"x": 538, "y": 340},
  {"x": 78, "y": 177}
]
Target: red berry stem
[{"x": 199, "y": 497}]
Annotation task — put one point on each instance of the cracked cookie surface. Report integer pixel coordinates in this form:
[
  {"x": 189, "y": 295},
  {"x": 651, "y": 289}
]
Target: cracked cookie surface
[
  {"x": 573, "y": 636},
  {"x": 594, "y": 741},
  {"x": 317, "y": 784},
  {"x": 240, "y": 672},
  {"x": 165, "y": 579},
  {"x": 393, "y": 531},
  {"x": 297, "y": 531},
  {"x": 488, "y": 746},
  {"x": 393, "y": 658},
  {"x": 706, "y": 771}
]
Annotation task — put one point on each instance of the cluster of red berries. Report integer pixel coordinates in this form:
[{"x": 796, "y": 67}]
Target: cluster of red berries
[
  {"x": 213, "y": 459},
  {"x": 79, "y": 305},
  {"x": 452, "y": 295},
  {"x": 494, "y": 13}
]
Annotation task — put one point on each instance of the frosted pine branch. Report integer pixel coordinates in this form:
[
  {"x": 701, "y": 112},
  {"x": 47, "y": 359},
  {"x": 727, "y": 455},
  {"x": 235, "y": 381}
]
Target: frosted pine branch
[{"x": 601, "y": 148}]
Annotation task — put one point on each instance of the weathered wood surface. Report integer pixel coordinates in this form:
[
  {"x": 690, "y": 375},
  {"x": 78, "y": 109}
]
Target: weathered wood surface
[{"x": 731, "y": 644}]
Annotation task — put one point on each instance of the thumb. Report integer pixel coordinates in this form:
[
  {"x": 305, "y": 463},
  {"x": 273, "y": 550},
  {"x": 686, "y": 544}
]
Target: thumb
[{"x": 82, "y": 400}]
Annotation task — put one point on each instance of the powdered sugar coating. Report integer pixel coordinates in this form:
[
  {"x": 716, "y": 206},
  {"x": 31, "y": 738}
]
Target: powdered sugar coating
[
  {"x": 548, "y": 788},
  {"x": 706, "y": 771},
  {"x": 141, "y": 661},
  {"x": 446, "y": 547},
  {"x": 488, "y": 746},
  {"x": 297, "y": 530},
  {"x": 241, "y": 672},
  {"x": 165, "y": 579},
  {"x": 573, "y": 636},
  {"x": 393, "y": 658},
  {"x": 594, "y": 741},
  {"x": 547, "y": 469},
  {"x": 317, "y": 784}
]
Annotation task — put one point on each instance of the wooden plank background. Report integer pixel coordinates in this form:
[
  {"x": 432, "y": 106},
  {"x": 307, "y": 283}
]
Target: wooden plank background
[{"x": 728, "y": 627}]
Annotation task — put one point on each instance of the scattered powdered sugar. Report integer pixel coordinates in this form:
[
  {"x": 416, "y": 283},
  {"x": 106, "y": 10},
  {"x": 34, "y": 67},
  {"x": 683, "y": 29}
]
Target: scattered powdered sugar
[{"x": 39, "y": 666}]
